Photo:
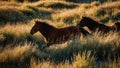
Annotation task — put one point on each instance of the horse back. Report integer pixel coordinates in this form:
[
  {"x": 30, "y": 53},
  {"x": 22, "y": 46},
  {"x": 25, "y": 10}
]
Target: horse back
[{"x": 64, "y": 34}]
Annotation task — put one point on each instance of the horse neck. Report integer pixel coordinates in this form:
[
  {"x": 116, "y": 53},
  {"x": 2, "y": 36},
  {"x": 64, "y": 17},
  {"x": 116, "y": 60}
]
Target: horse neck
[
  {"x": 93, "y": 25},
  {"x": 46, "y": 31}
]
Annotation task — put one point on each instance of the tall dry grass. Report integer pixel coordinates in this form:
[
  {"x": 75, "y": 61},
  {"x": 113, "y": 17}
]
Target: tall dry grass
[
  {"x": 66, "y": 12},
  {"x": 96, "y": 50},
  {"x": 103, "y": 12},
  {"x": 91, "y": 51},
  {"x": 19, "y": 33},
  {"x": 18, "y": 53}
]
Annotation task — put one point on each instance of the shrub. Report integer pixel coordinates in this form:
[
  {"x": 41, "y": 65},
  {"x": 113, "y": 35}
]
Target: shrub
[
  {"x": 84, "y": 60},
  {"x": 10, "y": 15},
  {"x": 57, "y": 5}
]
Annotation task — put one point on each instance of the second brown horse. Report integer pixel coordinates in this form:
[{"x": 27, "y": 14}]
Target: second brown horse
[{"x": 94, "y": 25}]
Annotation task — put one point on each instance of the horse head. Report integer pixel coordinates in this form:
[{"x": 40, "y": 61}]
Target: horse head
[
  {"x": 82, "y": 22},
  {"x": 35, "y": 28}
]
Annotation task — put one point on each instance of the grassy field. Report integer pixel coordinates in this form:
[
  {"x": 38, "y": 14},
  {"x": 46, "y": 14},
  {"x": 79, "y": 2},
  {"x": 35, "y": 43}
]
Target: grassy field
[{"x": 20, "y": 49}]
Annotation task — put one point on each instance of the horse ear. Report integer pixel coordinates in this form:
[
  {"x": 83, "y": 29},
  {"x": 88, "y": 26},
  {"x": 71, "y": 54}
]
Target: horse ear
[
  {"x": 36, "y": 22},
  {"x": 83, "y": 17}
]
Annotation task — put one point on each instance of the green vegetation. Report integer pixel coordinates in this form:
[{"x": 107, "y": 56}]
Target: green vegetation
[
  {"x": 20, "y": 49},
  {"x": 57, "y": 5}
]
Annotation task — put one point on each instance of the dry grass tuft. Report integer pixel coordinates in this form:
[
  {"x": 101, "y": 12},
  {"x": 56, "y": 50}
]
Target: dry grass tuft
[{"x": 18, "y": 53}]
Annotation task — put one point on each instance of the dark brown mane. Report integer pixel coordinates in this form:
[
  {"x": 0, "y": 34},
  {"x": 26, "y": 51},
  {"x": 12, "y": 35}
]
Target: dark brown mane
[
  {"x": 44, "y": 23},
  {"x": 55, "y": 35},
  {"x": 88, "y": 19}
]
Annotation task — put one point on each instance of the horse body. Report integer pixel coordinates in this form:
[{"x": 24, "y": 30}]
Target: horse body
[
  {"x": 63, "y": 34},
  {"x": 94, "y": 25},
  {"x": 55, "y": 35}
]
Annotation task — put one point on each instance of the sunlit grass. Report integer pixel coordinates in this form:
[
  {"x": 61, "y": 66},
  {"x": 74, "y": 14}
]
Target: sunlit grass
[
  {"x": 47, "y": 10},
  {"x": 84, "y": 60},
  {"x": 20, "y": 33},
  {"x": 20, "y": 52},
  {"x": 48, "y": 64},
  {"x": 81, "y": 52},
  {"x": 20, "y": 49},
  {"x": 102, "y": 12}
]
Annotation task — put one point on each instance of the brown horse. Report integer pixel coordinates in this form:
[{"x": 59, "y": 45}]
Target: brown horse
[
  {"x": 55, "y": 35},
  {"x": 94, "y": 25}
]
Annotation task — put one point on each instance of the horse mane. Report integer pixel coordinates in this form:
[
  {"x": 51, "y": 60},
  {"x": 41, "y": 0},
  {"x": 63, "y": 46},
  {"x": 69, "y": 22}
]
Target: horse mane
[
  {"x": 44, "y": 23},
  {"x": 88, "y": 19}
]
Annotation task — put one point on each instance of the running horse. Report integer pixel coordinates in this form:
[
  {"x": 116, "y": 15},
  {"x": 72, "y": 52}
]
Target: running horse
[
  {"x": 55, "y": 35},
  {"x": 94, "y": 25}
]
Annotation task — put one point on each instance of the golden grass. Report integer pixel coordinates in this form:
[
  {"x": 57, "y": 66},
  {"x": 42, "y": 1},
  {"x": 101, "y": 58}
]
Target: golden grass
[
  {"x": 95, "y": 51},
  {"x": 83, "y": 60},
  {"x": 91, "y": 10},
  {"x": 18, "y": 53},
  {"x": 83, "y": 49},
  {"x": 19, "y": 33},
  {"x": 48, "y": 64},
  {"x": 70, "y": 16},
  {"x": 16, "y": 29}
]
